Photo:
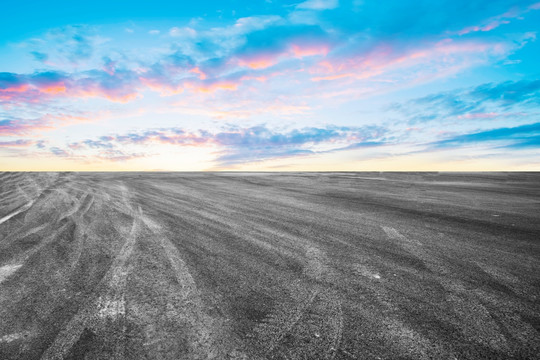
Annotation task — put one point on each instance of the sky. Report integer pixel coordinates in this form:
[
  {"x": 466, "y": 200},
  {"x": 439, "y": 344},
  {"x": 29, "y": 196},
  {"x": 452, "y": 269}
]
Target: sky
[{"x": 264, "y": 85}]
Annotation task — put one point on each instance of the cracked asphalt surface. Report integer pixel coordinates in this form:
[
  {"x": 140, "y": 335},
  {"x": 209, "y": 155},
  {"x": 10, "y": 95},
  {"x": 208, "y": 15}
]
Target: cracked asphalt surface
[{"x": 269, "y": 265}]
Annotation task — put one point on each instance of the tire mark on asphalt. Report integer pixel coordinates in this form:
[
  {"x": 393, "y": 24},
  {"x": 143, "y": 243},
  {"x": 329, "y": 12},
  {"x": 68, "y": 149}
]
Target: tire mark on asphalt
[
  {"x": 473, "y": 317},
  {"x": 81, "y": 230},
  {"x": 337, "y": 324},
  {"x": 99, "y": 309},
  {"x": 23, "y": 208},
  {"x": 315, "y": 303},
  {"x": 205, "y": 330},
  {"x": 75, "y": 219},
  {"x": 280, "y": 323},
  {"x": 85, "y": 201}
]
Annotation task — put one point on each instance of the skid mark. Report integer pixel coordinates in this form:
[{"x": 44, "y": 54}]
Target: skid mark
[
  {"x": 8, "y": 270},
  {"x": 86, "y": 204},
  {"x": 16, "y": 212},
  {"x": 466, "y": 310},
  {"x": 511, "y": 281},
  {"x": 204, "y": 330},
  {"x": 336, "y": 326},
  {"x": 408, "y": 341},
  {"x": 280, "y": 323},
  {"x": 34, "y": 230},
  {"x": 99, "y": 308},
  {"x": 316, "y": 266},
  {"x": 511, "y": 318},
  {"x": 80, "y": 206},
  {"x": 474, "y": 319},
  {"x": 313, "y": 313},
  {"x": 23, "y": 257}
]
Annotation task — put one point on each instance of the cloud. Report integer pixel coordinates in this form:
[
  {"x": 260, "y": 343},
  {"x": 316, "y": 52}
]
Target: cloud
[
  {"x": 68, "y": 45},
  {"x": 227, "y": 58},
  {"x": 120, "y": 86},
  {"x": 392, "y": 59},
  {"x": 99, "y": 144},
  {"x": 237, "y": 145},
  {"x": 118, "y": 156},
  {"x": 59, "y": 152},
  {"x": 485, "y": 101},
  {"x": 524, "y": 136},
  {"x": 185, "y": 31},
  {"x": 17, "y": 127},
  {"x": 21, "y": 143},
  {"x": 502, "y": 19},
  {"x": 508, "y": 93},
  {"x": 38, "y": 56},
  {"x": 318, "y": 4}
]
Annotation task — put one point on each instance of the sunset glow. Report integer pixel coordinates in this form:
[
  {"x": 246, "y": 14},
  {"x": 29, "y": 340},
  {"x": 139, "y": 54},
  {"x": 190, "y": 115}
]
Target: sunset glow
[{"x": 264, "y": 85}]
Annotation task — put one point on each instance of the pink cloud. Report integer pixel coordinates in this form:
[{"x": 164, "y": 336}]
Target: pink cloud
[
  {"x": 259, "y": 61},
  {"x": 496, "y": 21},
  {"x": 35, "y": 90},
  {"x": 17, "y": 127},
  {"x": 300, "y": 51},
  {"x": 212, "y": 87},
  {"x": 294, "y": 50},
  {"x": 158, "y": 85},
  {"x": 488, "y": 27},
  {"x": 17, "y": 143},
  {"x": 490, "y": 115},
  {"x": 15, "y": 89},
  {"x": 196, "y": 70},
  {"x": 384, "y": 59}
]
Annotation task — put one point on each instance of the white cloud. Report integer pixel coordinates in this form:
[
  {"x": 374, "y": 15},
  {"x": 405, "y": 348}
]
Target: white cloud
[
  {"x": 318, "y": 4},
  {"x": 153, "y": 32},
  {"x": 185, "y": 31}
]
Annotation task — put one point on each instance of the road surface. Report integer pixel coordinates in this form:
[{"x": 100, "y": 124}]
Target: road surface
[{"x": 269, "y": 265}]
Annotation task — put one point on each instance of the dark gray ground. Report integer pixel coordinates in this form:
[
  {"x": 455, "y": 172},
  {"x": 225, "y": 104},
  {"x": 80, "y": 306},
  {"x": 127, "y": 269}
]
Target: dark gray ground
[{"x": 269, "y": 266}]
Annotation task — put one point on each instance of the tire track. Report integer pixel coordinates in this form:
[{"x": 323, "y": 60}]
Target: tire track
[
  {"x": 206, "y": 333},
  {"x": 466, "y": 308},
  {"x": 100, "y": 308},
  {"x": 314, "y": 314},
  {"x": 22, "y": 209}
]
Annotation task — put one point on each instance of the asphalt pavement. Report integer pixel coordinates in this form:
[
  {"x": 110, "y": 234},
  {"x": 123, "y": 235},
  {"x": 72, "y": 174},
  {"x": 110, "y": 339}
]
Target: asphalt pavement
[{"x": 269, "y": 265}]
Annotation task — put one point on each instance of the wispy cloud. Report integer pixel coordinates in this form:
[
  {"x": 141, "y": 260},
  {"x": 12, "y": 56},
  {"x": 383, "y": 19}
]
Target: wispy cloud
[
  {"x": 241, "y": 145},
  {"x": 17, "y": 127},
  {"x": 486, "y": 101},
  {"x": 524, "y": 136},
  {"x": 21, "y": 143},
  {"x": 65, "y": 46},
  {"x": 502, "y": 19},
  {"x": 318, "y": 4}
]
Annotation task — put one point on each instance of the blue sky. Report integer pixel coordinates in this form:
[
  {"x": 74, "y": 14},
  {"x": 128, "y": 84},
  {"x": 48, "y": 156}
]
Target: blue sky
[{"x": 268, "y": 85}]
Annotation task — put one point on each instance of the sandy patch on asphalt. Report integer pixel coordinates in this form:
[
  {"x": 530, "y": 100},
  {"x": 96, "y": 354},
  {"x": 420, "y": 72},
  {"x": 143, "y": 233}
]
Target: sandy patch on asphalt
[
  {"x": 394, "y": 234},
  {"x": 111, "y": 308},
  {"x": 364, "y": 271},
  {"x": 12, "y": 337}
]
